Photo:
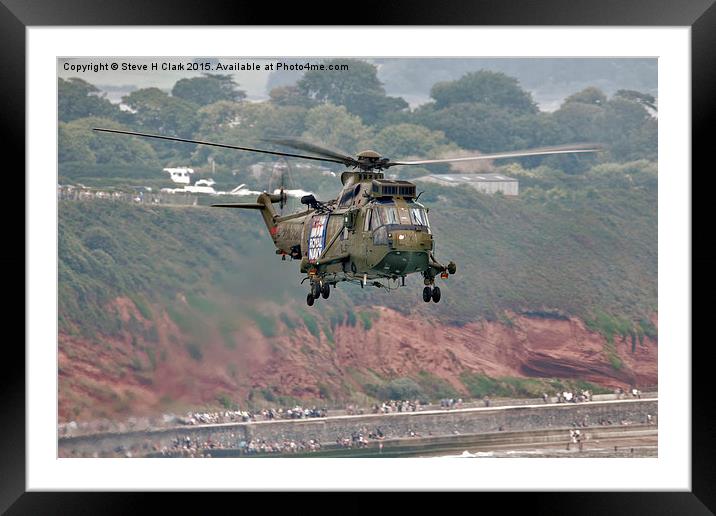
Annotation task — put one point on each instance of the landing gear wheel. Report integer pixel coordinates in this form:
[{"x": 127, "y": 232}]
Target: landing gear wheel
[
  {"x": 316, "y": 290},
  {"x": 325, "y": 291},
  {"x": 427, "y": 293},
  {"x": 436, "y": 294},
  {"x": 310, "y": 299},
  {"x": 451, "y": 267}
]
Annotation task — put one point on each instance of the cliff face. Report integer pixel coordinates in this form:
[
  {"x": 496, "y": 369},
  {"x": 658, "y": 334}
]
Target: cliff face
[
  {"x": 523, "y": 347},
  {"x": 130, "y": 374}
]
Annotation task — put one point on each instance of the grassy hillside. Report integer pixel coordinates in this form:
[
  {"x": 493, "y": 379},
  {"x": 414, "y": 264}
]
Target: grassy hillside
[
  {"x": 576, "y": 245},
  {"x": 573, "y": 245}
]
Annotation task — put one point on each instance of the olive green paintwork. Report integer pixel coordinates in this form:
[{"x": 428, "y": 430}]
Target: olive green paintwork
[{"x": 355, "y": 253}]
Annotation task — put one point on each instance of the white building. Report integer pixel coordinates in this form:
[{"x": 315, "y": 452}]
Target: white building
[
  {"x": 181, "y": 175},
  {"x": 485, "y": 183},
  {"x": 202, "y": 186}
]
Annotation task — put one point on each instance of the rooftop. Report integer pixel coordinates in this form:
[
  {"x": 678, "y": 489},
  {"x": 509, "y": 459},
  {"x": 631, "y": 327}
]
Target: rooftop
[{"x": 467, "y": 178}]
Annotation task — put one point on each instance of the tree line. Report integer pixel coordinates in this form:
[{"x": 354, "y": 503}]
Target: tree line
[{"x": 482, "y": 111}]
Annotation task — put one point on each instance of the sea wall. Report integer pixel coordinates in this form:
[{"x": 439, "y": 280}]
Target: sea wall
[{"x": 396, "y": 425}]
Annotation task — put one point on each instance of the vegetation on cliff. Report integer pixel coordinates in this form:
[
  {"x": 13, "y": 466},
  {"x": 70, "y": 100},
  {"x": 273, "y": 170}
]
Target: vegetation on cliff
[{"x": 582, "y": 246}]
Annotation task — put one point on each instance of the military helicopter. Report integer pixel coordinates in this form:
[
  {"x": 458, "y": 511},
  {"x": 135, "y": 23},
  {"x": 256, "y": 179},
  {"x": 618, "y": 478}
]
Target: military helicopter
[{"x": 374, "y": 233}]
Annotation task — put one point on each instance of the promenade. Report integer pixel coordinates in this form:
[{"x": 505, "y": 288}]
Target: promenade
[{"x": 361, "y": 431}]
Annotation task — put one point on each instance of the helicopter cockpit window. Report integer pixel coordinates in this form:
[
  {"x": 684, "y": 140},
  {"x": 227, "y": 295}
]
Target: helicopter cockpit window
[
  {"x": 380, "y": 236},
  {"x": 374, "y": 219},
  {"x": 419, "y": 217},
  {"x": 366, "y": 220},
  {"x": 389, "y": 215},
  {"x": 348, "y": 196}
]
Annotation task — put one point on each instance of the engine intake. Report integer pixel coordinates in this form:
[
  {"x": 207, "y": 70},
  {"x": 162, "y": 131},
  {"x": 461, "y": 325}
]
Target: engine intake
[{"x": 390, "y": 188}]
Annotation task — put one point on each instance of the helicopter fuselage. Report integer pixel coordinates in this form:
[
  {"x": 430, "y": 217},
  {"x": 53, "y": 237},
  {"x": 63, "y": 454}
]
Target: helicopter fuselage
[{"x": 375, "y": 230}]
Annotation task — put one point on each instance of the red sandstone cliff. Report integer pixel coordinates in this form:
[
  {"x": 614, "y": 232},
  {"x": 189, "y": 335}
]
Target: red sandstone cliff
[{"x": 120, "y": 376}]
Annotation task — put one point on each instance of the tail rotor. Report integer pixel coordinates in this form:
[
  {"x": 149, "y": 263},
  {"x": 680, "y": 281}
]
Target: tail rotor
[{"x": 281, "y": 168}]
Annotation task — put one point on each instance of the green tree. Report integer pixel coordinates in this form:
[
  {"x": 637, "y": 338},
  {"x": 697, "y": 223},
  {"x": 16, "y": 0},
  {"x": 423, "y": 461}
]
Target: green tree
[
  {"x": 538, "y": 130},
  {"x": 622, "y": 122},
  {"x": 254, "y": 120},
  {"x": 208, "y": 89},
  {"x": 630, "y": 130},
  {"x": 541, "y": 129},
  {"x": 290, "y": 96},
  {"x": 77, "y": 98},
  {"x": 484, "y": 87},
  {"x": 636, "y": 96},
  {"x": 219, "y": 116},
  {"x": 373, "y": 108},
  {"x": 581, "y": 121},
  {"x": 358, "y": 89},
  {"x": 645, "y": 141},
  {"x": 580, "y": 118},
  {"x": 404, "y": 140},
  {"x": 245, "y": 123},
  {"x": 78, "y": 142},
  {"x": 471, "y": 125},
  {"x": 73, "y": 144},
  {"x": 338, "y": 86},
  {"x": 589, "y": 95},
  {"x": 157, "y": 111},
  {"x": 335, "y": 127}
]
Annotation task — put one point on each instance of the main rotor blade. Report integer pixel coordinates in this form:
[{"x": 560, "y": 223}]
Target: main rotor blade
[
  {"x": 543, "y": 151},
  {"x": 300, "y": 144},
  {"x": 244, "y": 205},
  {"x": 212, "y": 144}
]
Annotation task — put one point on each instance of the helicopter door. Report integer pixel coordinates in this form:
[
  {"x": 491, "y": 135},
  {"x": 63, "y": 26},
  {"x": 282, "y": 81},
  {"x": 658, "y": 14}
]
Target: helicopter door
[
  {"x": 371, "y": 221},
  {"x": 335, "y": 225}
]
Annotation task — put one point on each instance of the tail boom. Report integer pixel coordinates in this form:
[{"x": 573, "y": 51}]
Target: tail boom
[{"x": 264, "y": 203}]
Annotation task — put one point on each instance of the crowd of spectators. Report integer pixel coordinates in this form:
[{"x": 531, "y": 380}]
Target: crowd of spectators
[
  {"x": 571, "y": 397},
  {"x": 388, "y": 407},
  {"x": 104, "y": 425},
  {"x": 137, "y": 194},
  {"x": 245, "y": 416},
  {"x": 188, "y": 447},
  {"x": 633, "y": 392},
  {"x": 356, "y": 440},
  {"x": 285, "y": 446},
  {"x": 361, "y": 438},
  {"x": 450, "y": 403},
  {"x": 354, "y": 410},
  {"x": 75, "y": 428},
  {"x": 213, "y": 418},
  {"x": 192, "y": 418}
]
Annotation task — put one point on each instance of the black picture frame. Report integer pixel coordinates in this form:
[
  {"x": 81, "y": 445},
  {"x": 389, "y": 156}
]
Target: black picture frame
[{"x": 700, "y": 15}]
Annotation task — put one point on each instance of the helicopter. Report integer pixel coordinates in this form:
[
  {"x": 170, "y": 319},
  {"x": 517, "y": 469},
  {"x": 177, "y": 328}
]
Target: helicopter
[{"x": 375, "y": 233}]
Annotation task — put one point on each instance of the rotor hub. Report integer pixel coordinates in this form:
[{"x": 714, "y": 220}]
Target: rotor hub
[
  {"x": 369, "y": 154},
  {"x": 371, "y": 160}
]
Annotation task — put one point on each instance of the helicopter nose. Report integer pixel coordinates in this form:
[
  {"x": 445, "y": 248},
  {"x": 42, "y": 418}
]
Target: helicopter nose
[{"x": 411, "y": 240}]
